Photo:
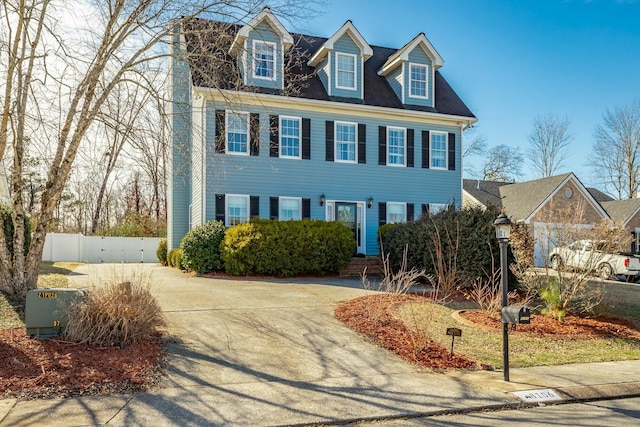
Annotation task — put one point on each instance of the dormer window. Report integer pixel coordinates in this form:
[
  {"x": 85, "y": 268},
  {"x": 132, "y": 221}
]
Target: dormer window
[
  {"x": 346, "y": 71},
  {"x": 418, "y": 81},
  {"x": 264, "y": 60}
]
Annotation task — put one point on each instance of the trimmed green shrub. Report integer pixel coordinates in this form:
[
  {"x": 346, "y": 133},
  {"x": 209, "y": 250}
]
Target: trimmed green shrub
[
  {"x": 287, "y": 248},
  {"x": 161, "y": 252},
  {"x": 6, "y": 210},
  {"x": 472, "y": 226},
  {"x": 174, "y": 258},
  {"x": 201, "y": 247}
]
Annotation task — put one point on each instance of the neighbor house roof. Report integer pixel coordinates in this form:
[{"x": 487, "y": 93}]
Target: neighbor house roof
[
  {"x": 487, "y": 193},
  {"x": 521, "y": 200},
  {"x": 622, "y": 211},
  {"x": 599, "y": 195},
  {"x": 205, "y": 42}
]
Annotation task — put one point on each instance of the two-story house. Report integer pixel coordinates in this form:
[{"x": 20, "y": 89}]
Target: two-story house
[{"x": 270, "y": 124}]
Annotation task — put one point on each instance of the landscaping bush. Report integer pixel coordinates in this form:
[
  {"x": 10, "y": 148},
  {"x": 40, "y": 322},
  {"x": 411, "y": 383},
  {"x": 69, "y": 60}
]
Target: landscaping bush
[
  {"x": 161, "y": 252},
  {"x": 287, "y": 248},
  {"x": 118, "y": 314},
  {"x": 6, "y": 210},
  {"x": 467, "y": 234},
  {"x": 201, "y": 247},
  {"x": 174, "y": 258}
]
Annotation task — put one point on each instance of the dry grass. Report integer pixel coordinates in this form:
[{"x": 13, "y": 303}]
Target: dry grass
[{"x": 120, "y": 313}]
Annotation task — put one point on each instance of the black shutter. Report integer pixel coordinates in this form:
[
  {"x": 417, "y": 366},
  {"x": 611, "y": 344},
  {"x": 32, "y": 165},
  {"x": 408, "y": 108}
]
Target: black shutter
[
  {"x": 382, "y": 213},
  {"x": 382, "y": 145},
  {"x": 274, "y": 208},
  {"x": 220, "y": 216},
  {"x": 306, "y": 208},
  {"x": 362, "y": 143},
  {"x": 452, "y": 151},
  {"x": 410, "y": 148},
  {"x": 306, "y": 139},
  {"x": 410, "y": 215},
  {"x": 254, "y": 206},
  {"x": 274, "y": 136},
  {"x": 425, "y": 210},
  {"x": 328, "y": 131},
  {"x": 425, "y": 149},
  {"x": 254, "y": 134},
  {"x": 220, "y": 134}
]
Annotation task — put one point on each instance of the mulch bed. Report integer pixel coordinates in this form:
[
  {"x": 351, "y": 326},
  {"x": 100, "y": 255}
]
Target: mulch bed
[
  {"x": 576, "y": 326},
  {"x": 387, "y": 330},
  {"x": 44, "y": 368}
]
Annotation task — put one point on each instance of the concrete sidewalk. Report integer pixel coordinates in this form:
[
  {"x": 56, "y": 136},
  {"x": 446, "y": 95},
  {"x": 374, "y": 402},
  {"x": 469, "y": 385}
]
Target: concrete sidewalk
[{"x": 264, "y": 353}]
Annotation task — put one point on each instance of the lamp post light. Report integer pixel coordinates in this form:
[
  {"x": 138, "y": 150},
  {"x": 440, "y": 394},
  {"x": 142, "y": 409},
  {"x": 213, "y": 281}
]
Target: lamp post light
[{"x": 503, "y": 232}]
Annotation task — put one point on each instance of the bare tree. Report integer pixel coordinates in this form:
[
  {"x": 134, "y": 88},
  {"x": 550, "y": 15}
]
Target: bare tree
[
  {"x": 475, "y": 145},
  {"x": 549, "y": 141},
  {"x": 503, "y": 163},
  {"x": 56, "y": 75},
  {"x": 616, "y": 152}
]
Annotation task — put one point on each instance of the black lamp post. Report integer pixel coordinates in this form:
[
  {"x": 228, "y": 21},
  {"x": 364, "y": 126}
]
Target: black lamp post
[{"x": 503, "y": 232}]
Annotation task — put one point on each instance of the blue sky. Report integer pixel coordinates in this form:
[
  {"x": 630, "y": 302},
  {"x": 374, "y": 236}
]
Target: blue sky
[{"x": 512, "y": 60}]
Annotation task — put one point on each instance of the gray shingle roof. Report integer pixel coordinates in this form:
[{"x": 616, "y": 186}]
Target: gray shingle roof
[
  {"x": 522, "y": 199},
  {"x": 200, "y": 33},
  {"x": 621, "y": 210},
  {"x": 599, "y": 195},
  {"x": 486, "y": 192}
]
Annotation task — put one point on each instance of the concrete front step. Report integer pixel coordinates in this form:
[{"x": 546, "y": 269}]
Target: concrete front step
[{"x": 373, "y": 264}]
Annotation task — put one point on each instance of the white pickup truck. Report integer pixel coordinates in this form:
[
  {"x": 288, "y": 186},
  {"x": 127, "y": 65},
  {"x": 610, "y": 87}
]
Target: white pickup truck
[{"x": 590, "y": 255}]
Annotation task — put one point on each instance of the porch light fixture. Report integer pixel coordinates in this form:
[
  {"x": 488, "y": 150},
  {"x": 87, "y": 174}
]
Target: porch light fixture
[
  {"x": 370, "y": 202},
  {"x": 503, "y": 232},
  {"x": 322, "y": 199}
]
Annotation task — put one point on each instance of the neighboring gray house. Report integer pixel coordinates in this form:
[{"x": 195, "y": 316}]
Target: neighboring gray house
[{"x": 370, "y": 135}]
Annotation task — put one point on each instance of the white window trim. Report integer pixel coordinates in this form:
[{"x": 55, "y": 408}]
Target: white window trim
[
  {"x": 404, "y": 205},
  {"x": 299, "y": 119},
  {"x": 355, "y": 71},
  {"x": 226, "y": 207},
  {"x": 297, "y": 199},
  {"x": 404, "y": 164},
  {"x": 446, "y": 156},
  {"x": 355, "y": 142},
  {"x": 426, "y": 83},
  {"x": 226, "y": 132},
  {"x": 253, "y": 60}
]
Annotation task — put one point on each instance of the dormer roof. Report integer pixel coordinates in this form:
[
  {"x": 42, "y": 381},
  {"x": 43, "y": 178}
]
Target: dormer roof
[
  {"x": 264, "y": 15},
  {"x": 347, "y": 28},
  {"x": 402, "y": 55}
]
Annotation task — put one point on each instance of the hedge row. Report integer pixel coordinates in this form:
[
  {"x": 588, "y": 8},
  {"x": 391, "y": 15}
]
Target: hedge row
[{"x": 271, "y": 247}]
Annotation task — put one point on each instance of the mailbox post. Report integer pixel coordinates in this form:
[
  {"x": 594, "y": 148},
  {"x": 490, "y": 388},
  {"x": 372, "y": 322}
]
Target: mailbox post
[{"x": 503, "y": 232}]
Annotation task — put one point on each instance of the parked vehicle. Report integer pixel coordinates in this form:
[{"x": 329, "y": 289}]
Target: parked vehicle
[{"x": 593, "y": 256}]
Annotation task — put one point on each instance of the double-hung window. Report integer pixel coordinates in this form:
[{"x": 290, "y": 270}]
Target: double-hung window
[
  {"x": 290, "y": 208},
  {"x": 237, "y": 209},
  {"x": 346, "y": 142},
  {"x": 396, "y": 212},
  {"x": 264, "y": 60},
  {"x": 237, "y": 127},
  {"x": 396, "y": 146},
  {"x": 345, "y": 71},
  {"x": 290, "y": 137},
  {"x": 418, "y": 80},
  {"x": 438, "y": 154}
]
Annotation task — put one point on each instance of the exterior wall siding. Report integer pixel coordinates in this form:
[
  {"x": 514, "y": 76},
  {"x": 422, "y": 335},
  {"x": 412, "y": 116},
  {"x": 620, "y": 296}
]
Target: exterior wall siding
[
  {"x": 577, "y": 208},
  {"x": 197, "y": 168},
  {"x": 179, "y": 181},
  {"x": 346, "y": 45},
  {"x": 418, "y": 56},
  {"x": 266, "y": 176},
  {"x": 263, "y": 32},
  {"x": 395, "y": 81},
  {"x": 323, "y": 73}
]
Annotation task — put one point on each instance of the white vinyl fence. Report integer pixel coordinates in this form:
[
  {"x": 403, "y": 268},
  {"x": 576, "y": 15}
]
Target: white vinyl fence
[{"x": 98, "y": 249}]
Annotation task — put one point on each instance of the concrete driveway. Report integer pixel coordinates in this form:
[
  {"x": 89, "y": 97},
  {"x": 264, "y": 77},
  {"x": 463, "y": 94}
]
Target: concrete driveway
[{"x": 270, "y": 352}]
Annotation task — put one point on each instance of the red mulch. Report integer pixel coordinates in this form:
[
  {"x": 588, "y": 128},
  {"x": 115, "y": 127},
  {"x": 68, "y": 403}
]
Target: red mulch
[
  {"x": 576, "y": 326},
  {"x": 387, "y": 330},
  {"x": 372, "y": 316},
  {"x": 34, "y": 368}
]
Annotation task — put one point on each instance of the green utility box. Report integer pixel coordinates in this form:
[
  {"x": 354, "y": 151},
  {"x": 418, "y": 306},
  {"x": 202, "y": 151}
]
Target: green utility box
[{"x": 46, "y": 310}]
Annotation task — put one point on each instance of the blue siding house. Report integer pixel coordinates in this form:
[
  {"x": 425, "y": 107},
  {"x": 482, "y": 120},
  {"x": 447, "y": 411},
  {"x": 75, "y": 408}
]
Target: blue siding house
[{"x": 265, "y": 123}]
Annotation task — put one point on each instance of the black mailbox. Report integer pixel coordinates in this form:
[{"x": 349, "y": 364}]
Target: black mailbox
[{"x": 516, "y": 314}]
